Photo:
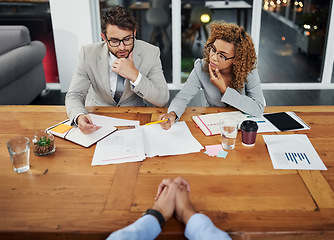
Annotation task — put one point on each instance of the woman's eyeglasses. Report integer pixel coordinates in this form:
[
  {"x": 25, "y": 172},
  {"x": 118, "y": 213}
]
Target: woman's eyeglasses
[{"x": 221, "y": 57}]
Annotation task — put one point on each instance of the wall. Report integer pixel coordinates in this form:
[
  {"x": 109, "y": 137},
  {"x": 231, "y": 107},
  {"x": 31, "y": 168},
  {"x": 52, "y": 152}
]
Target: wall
[{"x": 75, "y": 23}]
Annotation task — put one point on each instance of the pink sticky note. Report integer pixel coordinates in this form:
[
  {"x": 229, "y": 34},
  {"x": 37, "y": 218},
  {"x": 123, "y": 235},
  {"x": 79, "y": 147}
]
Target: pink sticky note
[{"x": 213, "y": 150}]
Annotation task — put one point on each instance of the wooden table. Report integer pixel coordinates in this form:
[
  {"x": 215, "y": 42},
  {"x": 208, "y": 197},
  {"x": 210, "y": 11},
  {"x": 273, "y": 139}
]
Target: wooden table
[{"x": 63, "y": 197}]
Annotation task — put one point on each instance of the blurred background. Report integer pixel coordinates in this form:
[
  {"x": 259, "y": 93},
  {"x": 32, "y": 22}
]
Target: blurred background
[{"x": 291, "y": 37}]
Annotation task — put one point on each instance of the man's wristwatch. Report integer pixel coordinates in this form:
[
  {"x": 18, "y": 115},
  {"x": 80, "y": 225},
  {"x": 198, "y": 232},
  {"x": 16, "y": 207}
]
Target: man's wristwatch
[{"x": 157, "y": 215}]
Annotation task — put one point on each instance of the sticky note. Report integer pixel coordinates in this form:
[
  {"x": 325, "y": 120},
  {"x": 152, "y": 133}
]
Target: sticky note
[
  {"x": 61, "y": 128},
  {"x": 222, "y": 154},
  {"x": 213, "y": 150}
]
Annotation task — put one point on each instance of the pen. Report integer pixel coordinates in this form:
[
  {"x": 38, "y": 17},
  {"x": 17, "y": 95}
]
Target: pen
[
  {"x": 160, "y": 121},
  {"x": 125, "y": 127}
]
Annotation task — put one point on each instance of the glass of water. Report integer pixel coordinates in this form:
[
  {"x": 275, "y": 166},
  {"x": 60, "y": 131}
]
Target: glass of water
[
  {"x": 228, "y": 131},
  {"x": 19, "y": 151}
]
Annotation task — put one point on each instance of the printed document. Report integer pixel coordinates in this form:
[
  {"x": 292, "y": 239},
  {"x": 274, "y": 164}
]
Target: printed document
[
  {"x": 294, "y": 151},
  {"x": 119, "y": 147}
]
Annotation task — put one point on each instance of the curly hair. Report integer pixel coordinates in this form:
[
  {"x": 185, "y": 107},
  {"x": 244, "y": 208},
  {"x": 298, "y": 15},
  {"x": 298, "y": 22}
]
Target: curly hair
[
  {"x": 119, "y": 16},
  {"x": 245, "y": 56}
]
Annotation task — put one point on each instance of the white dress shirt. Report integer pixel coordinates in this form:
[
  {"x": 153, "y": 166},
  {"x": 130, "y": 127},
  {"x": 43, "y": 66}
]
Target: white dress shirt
[
  {"x": 199, "y": 227},
  {"x": 113, "y": 76}
]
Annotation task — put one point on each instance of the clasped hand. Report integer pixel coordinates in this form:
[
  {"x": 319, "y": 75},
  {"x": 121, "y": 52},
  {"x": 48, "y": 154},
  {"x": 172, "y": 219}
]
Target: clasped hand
[{"x": 173, "y": 196}]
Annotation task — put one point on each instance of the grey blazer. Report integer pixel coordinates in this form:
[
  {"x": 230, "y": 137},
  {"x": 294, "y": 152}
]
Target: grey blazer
[
  {"x": 250, "y": 100},
  {"x": 91, "y": 83}
]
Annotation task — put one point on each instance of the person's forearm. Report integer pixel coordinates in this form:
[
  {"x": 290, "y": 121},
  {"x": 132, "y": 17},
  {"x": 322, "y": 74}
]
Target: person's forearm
[{"x": 200, "y": 227}]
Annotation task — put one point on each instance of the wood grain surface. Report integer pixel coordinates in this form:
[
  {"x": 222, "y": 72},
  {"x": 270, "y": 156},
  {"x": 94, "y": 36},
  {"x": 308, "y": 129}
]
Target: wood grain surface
[{"x": 63, "y": 197}]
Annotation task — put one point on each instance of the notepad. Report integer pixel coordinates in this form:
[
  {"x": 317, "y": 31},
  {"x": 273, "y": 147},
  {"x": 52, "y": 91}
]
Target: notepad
[
  {"x": 209, "y": 123},
  {"x": 61, "y": 128}
]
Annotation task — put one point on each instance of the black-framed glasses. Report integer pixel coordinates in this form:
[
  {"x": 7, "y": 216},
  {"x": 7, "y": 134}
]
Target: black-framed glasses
[
  {"x": 221, "y": 57},
  {"x": 114, "y": 42}
]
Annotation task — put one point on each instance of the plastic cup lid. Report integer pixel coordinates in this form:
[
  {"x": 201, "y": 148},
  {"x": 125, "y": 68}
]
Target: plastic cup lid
[{"x": 249, "y": 126}]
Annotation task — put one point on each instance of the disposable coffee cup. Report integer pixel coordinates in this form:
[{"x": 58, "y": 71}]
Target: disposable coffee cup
[{"x": 248, "y": 132}]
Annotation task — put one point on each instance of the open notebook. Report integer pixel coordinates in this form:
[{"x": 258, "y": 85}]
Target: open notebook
[
  {"x": 66, "y": 131},
  {"x": 209, "y": 123}
]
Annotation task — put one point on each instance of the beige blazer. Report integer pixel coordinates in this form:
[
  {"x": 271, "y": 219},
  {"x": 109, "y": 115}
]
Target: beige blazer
[{"x": 90, "y": 84}]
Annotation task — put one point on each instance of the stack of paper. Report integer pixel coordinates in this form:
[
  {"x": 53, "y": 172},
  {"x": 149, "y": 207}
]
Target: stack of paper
[{"x": 145, "y": 141}]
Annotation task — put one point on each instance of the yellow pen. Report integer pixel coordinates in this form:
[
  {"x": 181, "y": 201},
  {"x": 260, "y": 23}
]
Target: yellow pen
[{"x": 160, "y": 121}]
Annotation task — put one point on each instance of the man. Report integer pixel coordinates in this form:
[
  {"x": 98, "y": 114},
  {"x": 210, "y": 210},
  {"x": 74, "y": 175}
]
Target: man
[
  {"x": 120, "y": 71},
  {"x": 172, "y": 196}
]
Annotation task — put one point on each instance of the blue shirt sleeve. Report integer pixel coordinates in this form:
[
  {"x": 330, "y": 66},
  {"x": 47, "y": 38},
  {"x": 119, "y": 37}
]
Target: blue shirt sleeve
[
  {"x": 145, "y": 228},
  {"x": 201, "y": 227}
]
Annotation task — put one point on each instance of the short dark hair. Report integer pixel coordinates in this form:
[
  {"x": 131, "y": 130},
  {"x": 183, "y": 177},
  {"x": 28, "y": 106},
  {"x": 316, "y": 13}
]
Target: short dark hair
[{"x": 119, "y": 16}]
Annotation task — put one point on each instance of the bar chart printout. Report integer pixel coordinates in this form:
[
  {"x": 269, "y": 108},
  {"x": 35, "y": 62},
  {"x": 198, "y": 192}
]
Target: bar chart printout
[
  {"x": 294, "y": 151},
  {"x": 297, "y": 157}
]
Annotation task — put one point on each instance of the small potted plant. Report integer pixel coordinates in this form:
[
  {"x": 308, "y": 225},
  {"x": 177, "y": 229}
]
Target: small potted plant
[{"x": 43, "y": 143}]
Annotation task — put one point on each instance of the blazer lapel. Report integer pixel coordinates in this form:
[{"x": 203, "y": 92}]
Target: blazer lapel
[
  {"x": 136, "y": 53},
  {"x": 103, "y": 67}
]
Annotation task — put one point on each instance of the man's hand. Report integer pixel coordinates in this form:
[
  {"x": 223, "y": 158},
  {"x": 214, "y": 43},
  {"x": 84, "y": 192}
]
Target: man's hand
[
  {"x": 217, "y": 79},
  {"x": 167, "y": 181},
  {"x": 184, "y": 209},
  {"x": 165, "y": 203},
  {"x": 86, "y": 125},
  {"x": 168, "y": 124},
  {"x": 126, "y": 68}
]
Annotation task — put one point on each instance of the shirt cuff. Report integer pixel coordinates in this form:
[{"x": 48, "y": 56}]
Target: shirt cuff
[
  {"x": 76, "y": 118},
  {"x": 146, "y": 227},
  {"x": 200, "y": 226},
  {"x": 135, "y": 83}
]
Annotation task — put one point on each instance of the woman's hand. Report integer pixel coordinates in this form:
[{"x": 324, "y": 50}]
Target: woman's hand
[
  {"x": 217, "y": 79},
  {"x": 171, "y": 120}
]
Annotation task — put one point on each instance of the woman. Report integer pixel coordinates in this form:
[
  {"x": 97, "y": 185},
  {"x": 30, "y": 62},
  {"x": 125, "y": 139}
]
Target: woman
[{"x": 227, "y": 74}]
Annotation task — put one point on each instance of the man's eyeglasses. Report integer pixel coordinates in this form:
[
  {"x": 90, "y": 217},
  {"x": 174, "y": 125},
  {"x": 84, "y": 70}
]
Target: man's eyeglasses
[
  {"x": 221, "y": 57},
  {"x": 114, "y": 42}
]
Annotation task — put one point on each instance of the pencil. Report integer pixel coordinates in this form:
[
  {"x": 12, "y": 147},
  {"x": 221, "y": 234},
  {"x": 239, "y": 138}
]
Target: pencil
[{"x": 160, "y": 121}]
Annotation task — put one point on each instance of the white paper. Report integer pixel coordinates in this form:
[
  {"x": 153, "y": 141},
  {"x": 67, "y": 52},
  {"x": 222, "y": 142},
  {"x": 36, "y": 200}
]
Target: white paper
[
  {"x": 177, "y": 140},
  {"x": 119, "y": 147},
  {"x": 293, "y": 151},
  {"x": 107, "y": 121}
]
